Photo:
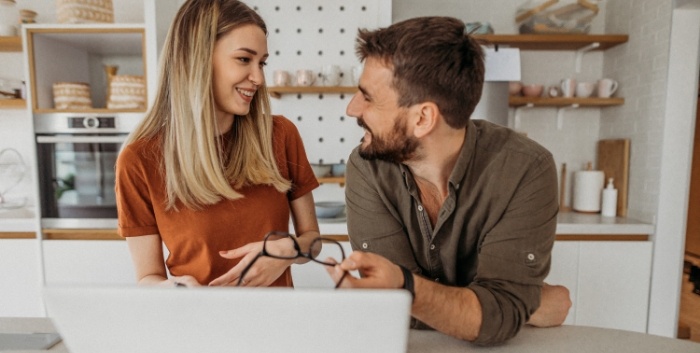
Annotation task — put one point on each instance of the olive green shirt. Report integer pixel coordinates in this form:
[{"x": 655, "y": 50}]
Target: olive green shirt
[{"x": 494, "y": 232}]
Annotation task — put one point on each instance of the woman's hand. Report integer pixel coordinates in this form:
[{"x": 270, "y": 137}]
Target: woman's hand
[
  {"x": 187, "y": 281},
  {"x": 264, "y": 271}
]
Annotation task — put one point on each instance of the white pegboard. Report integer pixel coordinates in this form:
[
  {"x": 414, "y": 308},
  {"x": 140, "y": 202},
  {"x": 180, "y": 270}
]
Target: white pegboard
[{"x": 308, "y": 34}]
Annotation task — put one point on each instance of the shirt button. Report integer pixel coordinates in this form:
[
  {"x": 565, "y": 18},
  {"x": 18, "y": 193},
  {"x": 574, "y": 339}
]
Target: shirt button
[
  {"x": 432, "y": 246},
  {"x": 365, "y": 246},
  {"x": 420, "y": 208},
  {"x": 531, "y": 256}
]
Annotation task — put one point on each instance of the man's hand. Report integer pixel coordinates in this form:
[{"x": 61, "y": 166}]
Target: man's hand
[
  {"x": 554, "y": 307},
  {"x": 376, "y": 271}
]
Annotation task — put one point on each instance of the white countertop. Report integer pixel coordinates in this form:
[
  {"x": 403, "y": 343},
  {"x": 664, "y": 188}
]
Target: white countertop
[
  {"x": 23, "y": 220},
  {"x": 567, "y": 223},
  {"x": 18, "y": 220},
  {"x": 530, "y": 340}
]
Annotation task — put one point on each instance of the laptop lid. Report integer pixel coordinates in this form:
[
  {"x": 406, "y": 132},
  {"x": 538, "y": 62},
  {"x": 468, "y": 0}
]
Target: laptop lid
[{"x": 154, "y": 319}]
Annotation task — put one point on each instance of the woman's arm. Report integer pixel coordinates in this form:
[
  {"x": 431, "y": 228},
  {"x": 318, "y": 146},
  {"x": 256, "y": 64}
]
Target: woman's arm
[
  {"x": 305, "y": 222},
  {"x": 147, "y": 256}
]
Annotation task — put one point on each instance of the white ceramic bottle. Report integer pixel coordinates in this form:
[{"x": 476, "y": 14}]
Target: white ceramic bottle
[{"x": 609, "y": 207}]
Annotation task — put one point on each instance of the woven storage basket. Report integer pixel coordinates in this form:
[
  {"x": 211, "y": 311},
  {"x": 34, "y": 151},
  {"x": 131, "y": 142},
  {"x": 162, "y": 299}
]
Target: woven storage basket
[
  {"x": 127, "y": 92},
  {"x": 71, "y": 96},
  {"x": 84, "y": 11}
]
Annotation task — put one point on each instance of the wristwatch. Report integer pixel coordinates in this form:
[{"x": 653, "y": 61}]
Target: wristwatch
[{"x": 408, "y": 281}]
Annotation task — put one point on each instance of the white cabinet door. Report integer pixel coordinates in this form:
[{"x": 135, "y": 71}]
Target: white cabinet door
[
  {"x": 88, "y": 262},
  {"x": 20, "y": 279},
  {"x": 564, "y": 271},
  {"x": 613, "y": 286}
]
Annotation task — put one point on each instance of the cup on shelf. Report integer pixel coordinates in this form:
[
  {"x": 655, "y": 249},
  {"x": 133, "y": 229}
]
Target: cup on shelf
[
  {"x": 515, "y": 88},
  {"x": 331, "y": 75},
  {"x": 533, "y": 90},
  {"x": 606, "y": 87},
  {"x": 305, "y": 77},
  {"x": 280, "y": 78},
  {"x": 584, "y": 89},
  {"x": 568, "y": 87}
]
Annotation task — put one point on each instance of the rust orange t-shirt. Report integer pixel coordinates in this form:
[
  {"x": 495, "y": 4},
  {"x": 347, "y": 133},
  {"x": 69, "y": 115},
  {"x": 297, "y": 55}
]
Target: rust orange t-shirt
[{"x": 194, "y": 238}]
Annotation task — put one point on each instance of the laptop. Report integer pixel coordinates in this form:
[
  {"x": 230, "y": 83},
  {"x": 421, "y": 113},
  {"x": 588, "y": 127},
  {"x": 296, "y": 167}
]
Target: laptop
[{"x": 134, "y": 319}]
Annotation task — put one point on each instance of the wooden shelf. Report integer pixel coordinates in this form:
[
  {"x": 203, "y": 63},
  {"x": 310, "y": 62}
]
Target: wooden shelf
[
  {"x": 8, "y": 44},
  {"x": 553, "y": 41},
  {"x": 516, "y": 101},
  {"x": 13, "y": 103},
  {"x": 89, "y": 111},
  {"x": 278, "y": 91},
  {"x": 332, "y": 180},
  {"x": 81, "y": 234}
]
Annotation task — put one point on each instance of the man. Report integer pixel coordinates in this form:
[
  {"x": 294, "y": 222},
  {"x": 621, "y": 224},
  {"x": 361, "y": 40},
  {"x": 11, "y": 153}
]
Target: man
[{"x": 462, "y": 213}]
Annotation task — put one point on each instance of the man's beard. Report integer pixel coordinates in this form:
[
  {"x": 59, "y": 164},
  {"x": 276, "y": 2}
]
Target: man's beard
[{"x": 397, "y": 147}]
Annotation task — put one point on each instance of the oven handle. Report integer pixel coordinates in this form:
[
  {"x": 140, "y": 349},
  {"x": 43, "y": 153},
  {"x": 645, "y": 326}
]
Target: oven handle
[{"x": 80, "y": 139}]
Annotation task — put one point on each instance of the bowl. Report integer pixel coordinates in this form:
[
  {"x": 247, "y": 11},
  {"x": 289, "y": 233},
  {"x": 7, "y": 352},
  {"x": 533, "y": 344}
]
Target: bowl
[
  {"x": 329, "y": 209},
  {"x": 514, "y": 88},
  {"x": 532, "y": 90},
  {"x": 321, "y": 170},
  {"x": 338, "y": 169}
]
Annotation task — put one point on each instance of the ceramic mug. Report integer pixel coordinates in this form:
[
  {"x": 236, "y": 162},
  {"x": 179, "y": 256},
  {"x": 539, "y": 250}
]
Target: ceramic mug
[
  {"x": 331, "y": 75},
  {"x": 568, "y": 87},
  {"x": 280, "y": 77},
  {"x": 606, "y": 87},
  {"x": 305, "y": 77},
  {"x": 584, "y": 89}
]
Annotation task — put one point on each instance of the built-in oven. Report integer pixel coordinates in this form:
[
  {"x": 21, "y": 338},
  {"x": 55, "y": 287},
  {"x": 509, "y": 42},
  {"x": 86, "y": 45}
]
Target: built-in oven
[{"x": 76, "y": 156}]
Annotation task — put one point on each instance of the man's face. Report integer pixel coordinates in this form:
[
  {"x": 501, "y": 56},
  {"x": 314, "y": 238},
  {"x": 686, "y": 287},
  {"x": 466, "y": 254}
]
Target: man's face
[{"x": 387, "y": 133}]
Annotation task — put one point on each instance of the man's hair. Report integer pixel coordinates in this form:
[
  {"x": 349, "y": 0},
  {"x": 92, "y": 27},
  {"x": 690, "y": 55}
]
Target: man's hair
[
  {"x": 433, "y": 59},
  {"x": 183, "y": 114}
]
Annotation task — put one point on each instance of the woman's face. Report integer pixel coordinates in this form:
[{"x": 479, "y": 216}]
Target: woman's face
[{"x": 239, "y": 58}]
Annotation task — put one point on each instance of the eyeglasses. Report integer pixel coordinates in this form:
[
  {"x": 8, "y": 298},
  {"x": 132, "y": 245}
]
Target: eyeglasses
[{"x": 331, "y": 249}]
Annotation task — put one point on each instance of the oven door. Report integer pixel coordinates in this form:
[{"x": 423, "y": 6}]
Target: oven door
[{"x": 76, "y": 179}]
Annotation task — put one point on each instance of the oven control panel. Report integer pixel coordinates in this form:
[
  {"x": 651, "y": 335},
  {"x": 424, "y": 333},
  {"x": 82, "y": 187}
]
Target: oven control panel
[{"x": 91, "y": 122}]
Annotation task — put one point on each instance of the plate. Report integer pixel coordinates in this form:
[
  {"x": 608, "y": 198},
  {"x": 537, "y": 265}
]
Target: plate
[{"x": 340, "y": 219}]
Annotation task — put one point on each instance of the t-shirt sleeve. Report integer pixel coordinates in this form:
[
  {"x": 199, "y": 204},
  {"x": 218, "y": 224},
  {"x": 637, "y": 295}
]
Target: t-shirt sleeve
[
  {"x": 134, "y": 206},
  {"x": 300, "y": 172}
]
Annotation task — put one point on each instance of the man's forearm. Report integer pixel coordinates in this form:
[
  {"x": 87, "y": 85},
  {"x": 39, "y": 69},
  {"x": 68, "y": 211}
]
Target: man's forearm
[{"x": 452, "y": 310}]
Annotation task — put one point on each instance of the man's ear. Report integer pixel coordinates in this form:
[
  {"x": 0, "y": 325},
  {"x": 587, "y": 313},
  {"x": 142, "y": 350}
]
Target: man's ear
[{"x": 427, "y": 119}]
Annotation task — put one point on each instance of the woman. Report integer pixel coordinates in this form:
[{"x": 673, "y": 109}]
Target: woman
[{"x": 209, "y": 169}]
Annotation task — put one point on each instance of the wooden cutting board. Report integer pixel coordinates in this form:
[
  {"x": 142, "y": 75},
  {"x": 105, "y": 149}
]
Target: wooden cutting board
[{"x": 614, "y": 161}]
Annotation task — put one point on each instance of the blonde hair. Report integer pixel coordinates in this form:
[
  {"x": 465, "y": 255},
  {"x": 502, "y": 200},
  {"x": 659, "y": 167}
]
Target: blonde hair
[{"x": 183, "y": 114}]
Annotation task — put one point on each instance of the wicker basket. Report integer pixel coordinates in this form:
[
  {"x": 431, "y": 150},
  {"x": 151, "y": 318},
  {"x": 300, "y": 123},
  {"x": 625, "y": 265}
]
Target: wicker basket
[
  {"x": 71, "y": 96},
  {"x": 84, "y": 11},
  {"x": 127, "y": 92}
]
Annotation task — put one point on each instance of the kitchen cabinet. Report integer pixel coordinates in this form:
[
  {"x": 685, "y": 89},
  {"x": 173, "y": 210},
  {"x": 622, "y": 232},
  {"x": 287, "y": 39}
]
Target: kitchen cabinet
[
  {"x": 278, "y": 91},
  {"x": 79, "y": 53},
  {"x": 88, "y": 262},
  {"x": 609, "y": 282},
  {"x": 332, "y": 180},
  {"x": 20, "y": 278}
]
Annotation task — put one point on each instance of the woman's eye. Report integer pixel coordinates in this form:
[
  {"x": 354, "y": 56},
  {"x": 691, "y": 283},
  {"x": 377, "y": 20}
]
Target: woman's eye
[
  {"x": 263, "y": 64},
  {"x": 244, "y": 60}
]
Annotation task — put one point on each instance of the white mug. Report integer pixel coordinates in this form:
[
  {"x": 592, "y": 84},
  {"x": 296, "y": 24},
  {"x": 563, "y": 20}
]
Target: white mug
[
  {"x": 280, "y": 78},
  {"x": 584, "y": 89},
  {"x": 331, "y": 75},
  {"x": 568, "y": 87},
  {"x": 606, "y": 87},
  {"x": 305, "y": 77}
]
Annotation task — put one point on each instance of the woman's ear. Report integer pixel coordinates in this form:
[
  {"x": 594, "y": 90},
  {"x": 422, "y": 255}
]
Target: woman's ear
[{"x": 427, "y": 119}]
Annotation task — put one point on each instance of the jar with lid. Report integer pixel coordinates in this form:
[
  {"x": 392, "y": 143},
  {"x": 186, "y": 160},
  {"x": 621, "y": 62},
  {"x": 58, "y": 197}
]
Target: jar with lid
[{"x": 9, "y": 16}]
